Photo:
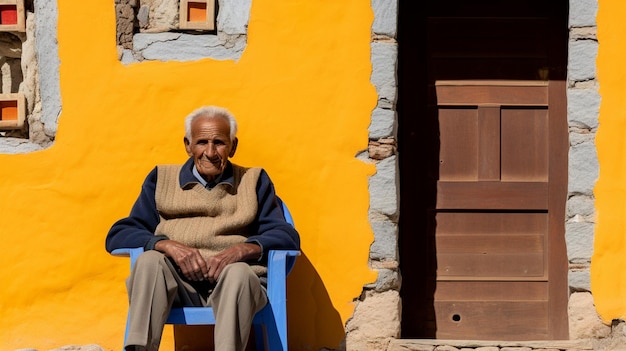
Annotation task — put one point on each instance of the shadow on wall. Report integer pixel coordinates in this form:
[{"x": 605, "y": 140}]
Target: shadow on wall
[{"x": 312, "y": 319}]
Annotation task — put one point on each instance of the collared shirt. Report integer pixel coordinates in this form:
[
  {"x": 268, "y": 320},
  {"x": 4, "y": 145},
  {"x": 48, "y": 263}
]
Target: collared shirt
[{"x": 208, "y": 185}]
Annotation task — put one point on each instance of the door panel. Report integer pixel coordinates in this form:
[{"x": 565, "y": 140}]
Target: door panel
[
  {"x": 474, "y": 317},
  {"x": 525, "y": 142},
  {"x": 493, "y": 195}
]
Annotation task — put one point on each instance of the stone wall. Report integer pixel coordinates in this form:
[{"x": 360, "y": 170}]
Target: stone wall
[
  {"x": 37, "y": 78},
  {"x": 377, "y": 316},
  {"x": 583, "y": 104},
  {"x": 583, "y": 109},
  {"x": 150, "y": 30}
]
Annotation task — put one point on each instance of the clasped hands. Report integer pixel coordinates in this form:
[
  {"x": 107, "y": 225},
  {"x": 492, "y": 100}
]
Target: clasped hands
[{"x": 195, "y": 268}]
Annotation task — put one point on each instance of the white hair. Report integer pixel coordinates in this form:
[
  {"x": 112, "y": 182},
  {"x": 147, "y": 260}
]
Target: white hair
[{"x": 211, "y": 112}]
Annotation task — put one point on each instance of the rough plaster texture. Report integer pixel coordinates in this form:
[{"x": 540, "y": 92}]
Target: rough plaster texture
[
  {"x": 48, "y": 62},
  {"x": 37, "y": 135},
  {"x": 170, "y": 46}
]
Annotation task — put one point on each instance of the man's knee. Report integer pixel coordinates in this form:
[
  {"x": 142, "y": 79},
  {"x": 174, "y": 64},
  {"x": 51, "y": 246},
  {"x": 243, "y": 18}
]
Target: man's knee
[
  {"x": 150, "y": 261},
  {"x": 239, "y": 272},
  {"x": 149, "y": 257}
]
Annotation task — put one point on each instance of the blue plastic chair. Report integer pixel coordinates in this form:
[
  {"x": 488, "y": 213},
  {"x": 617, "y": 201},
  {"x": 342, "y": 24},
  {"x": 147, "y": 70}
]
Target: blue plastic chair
[{"x": 270, "y": 323}]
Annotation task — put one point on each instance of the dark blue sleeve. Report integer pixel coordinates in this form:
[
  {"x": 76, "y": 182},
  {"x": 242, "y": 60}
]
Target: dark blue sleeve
[
  {"x": 273, "y": 231},
  {"x": 137, "y": 230}
]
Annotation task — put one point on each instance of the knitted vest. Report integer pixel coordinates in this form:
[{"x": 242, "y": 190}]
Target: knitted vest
[{"x": 209, "y": 220}]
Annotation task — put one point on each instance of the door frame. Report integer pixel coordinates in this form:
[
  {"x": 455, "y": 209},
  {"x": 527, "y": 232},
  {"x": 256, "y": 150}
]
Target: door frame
[{"x": 411, "y": 63}]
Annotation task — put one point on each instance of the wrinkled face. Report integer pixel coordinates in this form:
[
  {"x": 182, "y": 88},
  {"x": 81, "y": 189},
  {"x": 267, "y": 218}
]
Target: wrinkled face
[{"x": 210, "y": 145}]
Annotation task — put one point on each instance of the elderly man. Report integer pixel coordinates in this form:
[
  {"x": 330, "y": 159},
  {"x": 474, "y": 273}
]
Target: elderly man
[{"x": 206, "y": 227}]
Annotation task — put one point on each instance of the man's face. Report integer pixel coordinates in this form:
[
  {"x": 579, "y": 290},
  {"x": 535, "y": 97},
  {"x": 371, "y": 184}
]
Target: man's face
[{"x": 210, "y": 145}]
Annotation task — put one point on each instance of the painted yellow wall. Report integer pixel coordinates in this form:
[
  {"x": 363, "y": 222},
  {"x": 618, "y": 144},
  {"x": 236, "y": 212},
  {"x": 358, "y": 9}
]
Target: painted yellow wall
[
  {"x": 608, "y": 264},
  {"x": 303, "y": 97}
]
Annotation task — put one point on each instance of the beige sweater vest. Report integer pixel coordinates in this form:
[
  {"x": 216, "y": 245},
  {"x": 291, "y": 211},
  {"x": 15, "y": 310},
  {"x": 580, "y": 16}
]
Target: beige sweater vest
[{"x": 209, "y": 220}]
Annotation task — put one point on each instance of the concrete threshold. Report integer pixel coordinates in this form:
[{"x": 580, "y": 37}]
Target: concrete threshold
[{"x": 450, "y": 345}]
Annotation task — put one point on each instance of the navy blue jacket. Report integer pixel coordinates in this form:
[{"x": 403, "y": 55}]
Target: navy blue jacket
[{"x": 137, "y": 230}]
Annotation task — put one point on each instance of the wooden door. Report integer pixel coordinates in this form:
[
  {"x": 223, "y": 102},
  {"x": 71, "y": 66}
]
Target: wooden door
[
  {"x": 482, "y": 217},
  {"x": 493, "y": 210}
]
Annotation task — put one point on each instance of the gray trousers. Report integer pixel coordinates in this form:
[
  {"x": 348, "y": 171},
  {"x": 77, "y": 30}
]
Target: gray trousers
[{"x": 154, "y": 286}]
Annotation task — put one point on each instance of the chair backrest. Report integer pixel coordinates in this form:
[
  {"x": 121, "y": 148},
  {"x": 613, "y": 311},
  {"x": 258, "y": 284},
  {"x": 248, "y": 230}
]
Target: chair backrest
[
  {"x": 286, "y": 212},
  {"x": 291, "y": 260}
]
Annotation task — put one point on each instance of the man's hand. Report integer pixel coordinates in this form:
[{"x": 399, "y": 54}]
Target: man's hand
[
  {"x": 235, "y": 253},
  {"x": 191, "y": 263}
]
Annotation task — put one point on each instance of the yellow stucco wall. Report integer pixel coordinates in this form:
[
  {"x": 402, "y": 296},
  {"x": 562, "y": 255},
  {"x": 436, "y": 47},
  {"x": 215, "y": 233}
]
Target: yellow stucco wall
[
  {"x": 608, "y": 264},
  {"x": 303, "y": 97}
]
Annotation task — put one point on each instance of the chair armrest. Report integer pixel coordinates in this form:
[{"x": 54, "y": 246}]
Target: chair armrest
[
  {"x": 125, "y": 252},
  {"x": 279, "y": 265},
  {"x": 132, "y": 252},
  {"x": 278, "y": 257}
]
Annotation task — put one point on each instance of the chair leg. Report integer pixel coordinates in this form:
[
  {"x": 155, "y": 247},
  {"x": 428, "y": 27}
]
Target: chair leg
[
  {"x": 276, "y": 335},
  {"x": 259, "y": 337}
]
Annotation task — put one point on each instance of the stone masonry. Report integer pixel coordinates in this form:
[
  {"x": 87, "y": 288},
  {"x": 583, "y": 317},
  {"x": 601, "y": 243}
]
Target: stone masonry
[
  {"x": 37, "y": 77},
  {"x": 583, "y": 102}
]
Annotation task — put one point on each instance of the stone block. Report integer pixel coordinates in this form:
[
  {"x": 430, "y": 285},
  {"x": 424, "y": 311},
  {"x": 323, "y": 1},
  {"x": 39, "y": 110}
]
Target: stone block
[
  {"x": 579, "y": 241},
  {"x": 45, "y": 28},
  {"x": 185, "y": 47},
  {"x": 584, "y": 321},
  {"x": 383, "y": 187},
  {"x": 385, "y": 242},
  {"x": 579, "y": 280},
  {"x": 162, "y": 16},
  {"x": 583, "y": 107},
  {"x": 384, "y": 58},
  {"x": 582, "y": 60},
  {"x": 581, "y": 206},
  {"x": 385, "y": 17},
  {"x": 375, "y": 322},
  {"x": 582, "y": 13},
  {"x": 583, "y": 168},
  {"x": 383, "y": 123},
  {"x": 233, "y": 16}
]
